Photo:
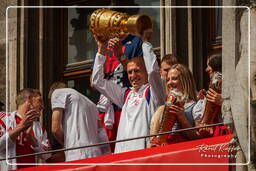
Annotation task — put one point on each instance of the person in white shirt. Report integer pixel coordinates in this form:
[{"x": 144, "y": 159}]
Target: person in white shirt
[
  {"x": 75, "y": 122},
  {"x": 140, "y": 101}
]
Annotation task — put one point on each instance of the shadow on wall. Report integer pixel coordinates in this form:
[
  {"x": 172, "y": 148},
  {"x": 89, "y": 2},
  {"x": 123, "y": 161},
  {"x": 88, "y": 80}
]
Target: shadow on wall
[
  {"x": 2, "y": 74},
  {"x": 1, "y": 106}
]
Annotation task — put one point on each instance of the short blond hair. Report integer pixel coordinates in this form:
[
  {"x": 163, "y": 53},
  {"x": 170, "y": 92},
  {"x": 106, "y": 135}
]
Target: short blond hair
[
  {"x": 187, "y": 81},
  {"x": 54, "y": 86},
  {"x": 25, "y": 93}
]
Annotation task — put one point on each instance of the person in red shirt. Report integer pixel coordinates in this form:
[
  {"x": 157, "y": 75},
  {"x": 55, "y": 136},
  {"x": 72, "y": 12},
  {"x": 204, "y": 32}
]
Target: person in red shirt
[{"x": 22, "y": 131}]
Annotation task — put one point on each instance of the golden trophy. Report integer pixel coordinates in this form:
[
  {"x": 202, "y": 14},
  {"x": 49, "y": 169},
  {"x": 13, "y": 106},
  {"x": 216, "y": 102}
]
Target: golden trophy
[{"x": 107, "y": 23}]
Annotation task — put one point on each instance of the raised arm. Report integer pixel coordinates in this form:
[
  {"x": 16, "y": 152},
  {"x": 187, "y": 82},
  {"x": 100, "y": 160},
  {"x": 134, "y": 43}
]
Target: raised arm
[
  {"x": 12, "y": 134},
  {"x": 114, "y": 92},
  {"x": 154, "y": 78}
]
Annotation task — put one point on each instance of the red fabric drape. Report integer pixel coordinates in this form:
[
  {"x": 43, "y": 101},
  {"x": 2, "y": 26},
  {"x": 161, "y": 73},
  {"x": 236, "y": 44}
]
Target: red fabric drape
[{"x": 184, "y": 155}]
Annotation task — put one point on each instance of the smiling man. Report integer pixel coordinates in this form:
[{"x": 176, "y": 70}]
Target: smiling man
[
  {"x": 139, "y": 102},
  {"x": 137, "y": 73}
]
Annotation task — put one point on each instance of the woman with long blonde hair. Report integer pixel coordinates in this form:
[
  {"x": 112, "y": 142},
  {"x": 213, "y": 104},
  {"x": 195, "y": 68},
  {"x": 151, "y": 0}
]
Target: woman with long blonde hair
[{"x": 179, "y": 79}]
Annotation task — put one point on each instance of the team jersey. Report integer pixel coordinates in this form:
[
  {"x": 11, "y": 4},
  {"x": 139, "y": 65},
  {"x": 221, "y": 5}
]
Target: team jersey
[
  {"x": 114, "y": 71},
  {"x": 21, "y": 145},
  {"x": 139, "y": 106}
]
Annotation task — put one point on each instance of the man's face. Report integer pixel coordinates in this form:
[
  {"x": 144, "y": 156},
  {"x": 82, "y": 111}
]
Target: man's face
[
  {"x": 37, "y": 103},
  {"x": 137, "y": 74},
  {"x": 164, "y": 69}
]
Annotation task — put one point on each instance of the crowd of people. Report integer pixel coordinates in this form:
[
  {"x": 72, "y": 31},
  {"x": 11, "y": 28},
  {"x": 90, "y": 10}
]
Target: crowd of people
[{"x": 133, "y": 88}]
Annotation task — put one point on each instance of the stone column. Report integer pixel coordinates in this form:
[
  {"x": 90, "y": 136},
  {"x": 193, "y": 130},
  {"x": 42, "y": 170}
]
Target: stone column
[
  {"x": 228, "y": 57},
  {"x": 240, "y": 94},
  {"x": 12, "y": 60},
  {"x": 3, "y": 6},
  {"x": 168, "y": 29},
  {"x": 235, "y": 76},
  {"x": 253, "y": 87},
  {"x": 190, "y": 37},
  {"x": 239, "y": 83}
]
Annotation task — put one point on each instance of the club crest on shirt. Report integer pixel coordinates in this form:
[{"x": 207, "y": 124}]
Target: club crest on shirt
[{"x": 136, "y": 102}]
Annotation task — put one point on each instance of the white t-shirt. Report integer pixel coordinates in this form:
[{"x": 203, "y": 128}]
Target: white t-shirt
[{"x": 80, "y": 125}]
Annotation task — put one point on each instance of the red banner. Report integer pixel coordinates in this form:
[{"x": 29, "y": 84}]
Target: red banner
[{"x": 215, "y": 152}]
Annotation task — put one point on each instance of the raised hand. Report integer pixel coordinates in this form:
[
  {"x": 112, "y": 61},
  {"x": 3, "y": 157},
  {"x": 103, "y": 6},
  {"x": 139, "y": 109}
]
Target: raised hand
[
  {"x": 155, "y": 142},
  {"x": 115, "y": 45},
  {"x": 177, "y": 110},
  {"x": 214, "y": 97},
  {"x": 27, "y": 121},
  {"x": 202, "y": 94},
  {"x": 205, "y": 132},
  {"x": 102, "y": 45}
]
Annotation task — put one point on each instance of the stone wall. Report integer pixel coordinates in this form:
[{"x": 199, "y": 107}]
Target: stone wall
[
  {"x": 13, "y": 32},
  {"x": 236, "y": 53},
  {"x": 3, "y": 6}
]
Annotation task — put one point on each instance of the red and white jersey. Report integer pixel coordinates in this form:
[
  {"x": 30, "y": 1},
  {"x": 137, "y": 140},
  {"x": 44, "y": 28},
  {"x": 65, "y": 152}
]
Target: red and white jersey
[{"x": 21, "y": 146}]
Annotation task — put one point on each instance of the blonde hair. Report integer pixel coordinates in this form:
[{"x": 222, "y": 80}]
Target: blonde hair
[
  {"x": 25, "y": 93},
  {"x": 54, "y": 86},
  {"x": 187, "y": 81}
]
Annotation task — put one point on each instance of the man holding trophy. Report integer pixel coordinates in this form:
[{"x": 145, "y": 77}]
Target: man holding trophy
[
  {"x": 128, "y": 46},
  {"x": 139, "y": 102}
]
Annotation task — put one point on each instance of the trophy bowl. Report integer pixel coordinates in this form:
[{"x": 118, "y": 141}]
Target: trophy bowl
[{"x": 107, "y": 23}]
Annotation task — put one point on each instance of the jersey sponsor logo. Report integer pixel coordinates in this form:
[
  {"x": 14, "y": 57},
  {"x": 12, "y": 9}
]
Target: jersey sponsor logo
[
  {"x": 21, "y": 139},
  {"x": 129, "y": 42}
]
